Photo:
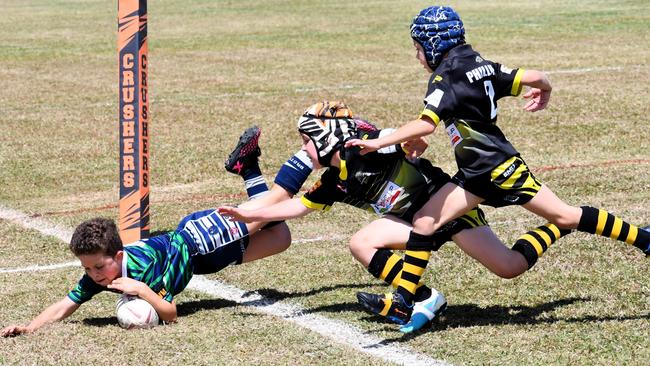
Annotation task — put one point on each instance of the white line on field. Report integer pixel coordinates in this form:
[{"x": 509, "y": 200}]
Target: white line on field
[{"x": 336, "y": 330}]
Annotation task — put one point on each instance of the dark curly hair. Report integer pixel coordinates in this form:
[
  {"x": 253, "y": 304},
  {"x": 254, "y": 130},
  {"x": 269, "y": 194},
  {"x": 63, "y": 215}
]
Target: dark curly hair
[{"x": 98, "y": 235}]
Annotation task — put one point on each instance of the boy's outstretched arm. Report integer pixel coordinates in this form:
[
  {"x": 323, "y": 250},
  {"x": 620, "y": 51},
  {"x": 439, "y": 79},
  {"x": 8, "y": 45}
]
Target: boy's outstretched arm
[
  {"x": 413, "y": 130},
  {"x": 55, "y": 312},
  {"x": 166, "y": 310},
  {"x": 540, "y": 92},
  {"x": 284, "y": 210}
]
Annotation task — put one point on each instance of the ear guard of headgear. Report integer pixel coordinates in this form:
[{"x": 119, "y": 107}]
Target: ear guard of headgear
[
  {"x": 328, "y": 125},
  {"x": 437, "y": 29}
]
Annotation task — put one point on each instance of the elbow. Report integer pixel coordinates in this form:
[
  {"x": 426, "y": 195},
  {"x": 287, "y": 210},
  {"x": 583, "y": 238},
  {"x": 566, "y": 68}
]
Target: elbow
[{"x": 169, "y": 318}]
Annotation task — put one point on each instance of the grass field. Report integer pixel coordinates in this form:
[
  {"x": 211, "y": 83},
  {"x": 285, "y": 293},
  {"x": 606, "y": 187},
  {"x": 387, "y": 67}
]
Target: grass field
[{"x": 217, "y": 67}]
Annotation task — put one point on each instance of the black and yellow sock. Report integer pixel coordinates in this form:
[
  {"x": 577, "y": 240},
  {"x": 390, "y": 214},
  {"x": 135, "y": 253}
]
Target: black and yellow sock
[
  {"x": 601, "y": 222},
  {"x": 535, "y": 242},
  {"x": 387, "y": 266},
  {"x": 416, "y": 260}
]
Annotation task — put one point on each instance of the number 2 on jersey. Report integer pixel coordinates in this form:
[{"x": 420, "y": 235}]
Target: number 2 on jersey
[{"x": 489, "y": 90}]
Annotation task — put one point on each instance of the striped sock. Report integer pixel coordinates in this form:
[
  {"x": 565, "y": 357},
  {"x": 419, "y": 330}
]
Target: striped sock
[
  {"x": 254, "y": 182},
  {"x": 415, "y": 262},
  {"x": 601, "y": 222},
  {"x": 387, "y": 266},
  {"x": 535, "y": 242}
]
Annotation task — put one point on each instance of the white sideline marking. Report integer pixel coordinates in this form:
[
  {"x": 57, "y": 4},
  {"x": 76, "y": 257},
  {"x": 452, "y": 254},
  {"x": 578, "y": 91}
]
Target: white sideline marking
[
  {"x": 336, "y": 330},
  {"x": 38, "y": 224}
]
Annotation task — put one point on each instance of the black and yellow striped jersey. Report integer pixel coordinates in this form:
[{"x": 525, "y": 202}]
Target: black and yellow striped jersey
[
  {"x": 463, "y": 93},
  {"x": 383, "y": 182}
]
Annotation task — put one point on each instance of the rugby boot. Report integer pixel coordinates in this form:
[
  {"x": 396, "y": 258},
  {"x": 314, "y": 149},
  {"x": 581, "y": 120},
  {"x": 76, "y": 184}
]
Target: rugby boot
[
  {"x": 425, "y": 311},
  {"x": 392, "y": 306},
  {"x": 246, "y": 152}
]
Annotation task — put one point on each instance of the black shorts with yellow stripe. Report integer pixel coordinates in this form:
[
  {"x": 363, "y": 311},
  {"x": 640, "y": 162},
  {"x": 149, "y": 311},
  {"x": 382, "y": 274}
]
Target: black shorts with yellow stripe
[{"x": 510, "y": 183}]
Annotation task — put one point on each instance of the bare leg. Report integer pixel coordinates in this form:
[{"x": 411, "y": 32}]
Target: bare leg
[
  {"x": 385, "y": 233},
  {"x": 268, "y": 242},
  {"x": 448, "y": 203},
  {"x": 547, "y": 205},
  {"x": 483, "y": 245}
]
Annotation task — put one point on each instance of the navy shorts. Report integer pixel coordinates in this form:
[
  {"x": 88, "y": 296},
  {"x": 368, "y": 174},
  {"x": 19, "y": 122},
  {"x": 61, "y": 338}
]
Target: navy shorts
[{"x": 214, "y": 241}]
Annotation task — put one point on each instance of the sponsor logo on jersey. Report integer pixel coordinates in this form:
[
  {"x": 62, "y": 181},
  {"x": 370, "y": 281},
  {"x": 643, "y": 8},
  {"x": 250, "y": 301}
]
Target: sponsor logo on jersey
[
  {"x": 387, "y": 199},
  {"x": 454, "y": 135},
  {"x": 479, "y": 59},
  {"x": 480, "y": 73},
  {"x": 436, "y": 79},
  {"x": 315, "y": 186},
  {"x": 434, "y": 98},
  {"x": 506, "y": 70}
]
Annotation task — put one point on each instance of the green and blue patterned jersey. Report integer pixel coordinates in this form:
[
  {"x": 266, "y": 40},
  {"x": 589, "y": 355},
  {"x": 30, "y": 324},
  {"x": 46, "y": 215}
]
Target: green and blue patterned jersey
[{"x": 162, "y": 262}]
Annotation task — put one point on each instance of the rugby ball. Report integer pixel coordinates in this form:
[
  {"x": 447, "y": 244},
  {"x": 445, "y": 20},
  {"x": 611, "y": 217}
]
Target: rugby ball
[{"x": 133, "y": 312}]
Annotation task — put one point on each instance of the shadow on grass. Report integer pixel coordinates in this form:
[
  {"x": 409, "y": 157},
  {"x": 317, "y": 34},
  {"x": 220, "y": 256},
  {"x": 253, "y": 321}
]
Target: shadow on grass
[
  {"x": 101, "y": 321},
  {"x": 276, "y": 295},
  {"x": 471, "y": 315},
  {"x": 183, "y": 309}
]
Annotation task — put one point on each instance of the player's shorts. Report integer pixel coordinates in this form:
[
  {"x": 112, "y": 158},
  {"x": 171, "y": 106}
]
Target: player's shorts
[
  {"x": 214, "y": 241},
  {"x": 438, "y": 178},
  {"x": 510, "y": 183}
]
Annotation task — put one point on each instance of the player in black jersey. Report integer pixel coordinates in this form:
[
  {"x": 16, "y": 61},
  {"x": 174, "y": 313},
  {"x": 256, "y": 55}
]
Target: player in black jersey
[
  {"x": 384, "y": 182},
  {"x": 463, "y": 91}
]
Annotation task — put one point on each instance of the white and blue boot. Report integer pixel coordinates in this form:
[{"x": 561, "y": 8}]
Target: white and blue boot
[{"x": 425, "y": 311}]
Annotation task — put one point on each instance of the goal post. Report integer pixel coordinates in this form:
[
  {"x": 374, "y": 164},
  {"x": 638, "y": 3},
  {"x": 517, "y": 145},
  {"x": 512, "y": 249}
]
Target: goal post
[{"x": 134, "y": 146}]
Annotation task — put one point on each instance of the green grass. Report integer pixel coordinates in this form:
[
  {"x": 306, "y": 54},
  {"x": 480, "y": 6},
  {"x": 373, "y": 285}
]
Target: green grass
[{"x": 218, "y": 67}]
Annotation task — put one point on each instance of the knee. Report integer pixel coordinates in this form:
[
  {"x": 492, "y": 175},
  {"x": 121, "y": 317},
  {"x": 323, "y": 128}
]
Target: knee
[
  {"x": 282, "y": 236},
  {"x": 358, "y": 242},
  {"x": 566, "y": 217},
  {"x": 424, "y": 224},
  {"x": 506, "y": 272}
]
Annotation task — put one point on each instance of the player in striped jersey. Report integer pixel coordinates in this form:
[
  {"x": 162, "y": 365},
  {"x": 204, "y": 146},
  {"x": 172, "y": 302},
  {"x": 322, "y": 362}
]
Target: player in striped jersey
[
  {"x": 463, "y": 91},
  {"x": 388, "y": 184},
  {"x": 159, "y": 268}
]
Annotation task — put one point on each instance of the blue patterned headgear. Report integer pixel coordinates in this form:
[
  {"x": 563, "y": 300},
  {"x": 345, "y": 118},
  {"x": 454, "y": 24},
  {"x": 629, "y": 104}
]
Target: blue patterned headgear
[{"x": 437, "y": 29}]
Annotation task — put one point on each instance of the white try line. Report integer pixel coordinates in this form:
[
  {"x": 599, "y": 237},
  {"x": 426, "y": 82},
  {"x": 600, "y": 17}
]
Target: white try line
[{"x": 336, "y": 330}]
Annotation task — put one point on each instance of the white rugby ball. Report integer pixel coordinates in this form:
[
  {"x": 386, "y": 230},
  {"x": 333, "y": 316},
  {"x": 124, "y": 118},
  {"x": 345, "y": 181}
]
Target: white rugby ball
[{"x": 133, "y": 312}]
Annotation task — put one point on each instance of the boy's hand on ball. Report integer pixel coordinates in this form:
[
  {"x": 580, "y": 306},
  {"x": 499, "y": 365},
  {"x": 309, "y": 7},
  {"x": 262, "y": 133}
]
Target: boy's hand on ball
[{"x": 127, "y": 285}]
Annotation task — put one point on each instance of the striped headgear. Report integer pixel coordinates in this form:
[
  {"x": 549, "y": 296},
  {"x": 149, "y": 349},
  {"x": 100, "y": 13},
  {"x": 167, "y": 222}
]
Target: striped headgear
[
  {"x": 328, "y": 125},
  {"x": 437, "y": 29}
]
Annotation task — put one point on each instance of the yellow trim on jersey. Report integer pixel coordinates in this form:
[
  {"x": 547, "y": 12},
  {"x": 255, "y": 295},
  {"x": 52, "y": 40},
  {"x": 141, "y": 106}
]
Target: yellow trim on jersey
[
  {"x": 616, "y": 230},
  {"x": 313, "y": 205},
  {"x": 343, "y": 174},
  {"x": 434, "y": 117},
  {"x": 516, "y": 84}
]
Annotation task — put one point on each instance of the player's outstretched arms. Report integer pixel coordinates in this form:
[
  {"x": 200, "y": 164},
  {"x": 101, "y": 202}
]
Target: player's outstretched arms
[
  {"x": 410, "y": 131},
  {"x": 55, "y": 312},
  {"x": 285, "y": 210},
  {"x": 540, "y": 93},
  {"x": 166, "y": 310}
]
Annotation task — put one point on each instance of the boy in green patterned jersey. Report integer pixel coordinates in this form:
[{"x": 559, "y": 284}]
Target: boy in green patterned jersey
[{"x": 158, "y": 268}]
